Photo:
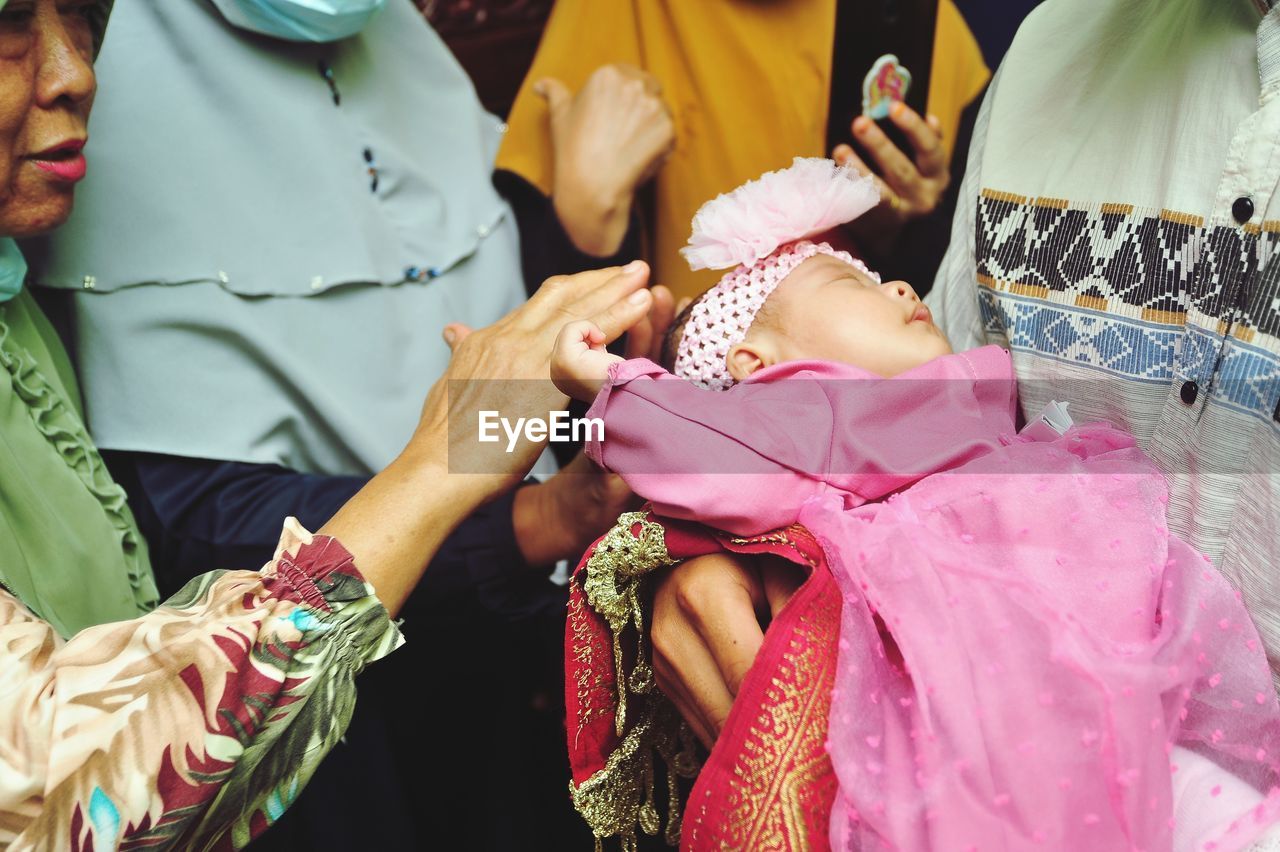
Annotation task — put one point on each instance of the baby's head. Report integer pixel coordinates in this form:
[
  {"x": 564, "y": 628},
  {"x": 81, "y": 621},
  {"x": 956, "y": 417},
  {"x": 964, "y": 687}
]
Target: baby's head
[{"x": 789, "y": 299}]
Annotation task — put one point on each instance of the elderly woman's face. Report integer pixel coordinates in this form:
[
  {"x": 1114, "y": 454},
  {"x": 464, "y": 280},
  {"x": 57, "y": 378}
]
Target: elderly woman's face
[{"x": 46, "y": 90}]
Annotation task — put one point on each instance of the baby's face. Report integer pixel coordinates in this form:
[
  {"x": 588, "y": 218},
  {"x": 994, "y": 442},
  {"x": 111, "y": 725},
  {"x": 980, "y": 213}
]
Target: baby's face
[{"x": 827, "y": 310}]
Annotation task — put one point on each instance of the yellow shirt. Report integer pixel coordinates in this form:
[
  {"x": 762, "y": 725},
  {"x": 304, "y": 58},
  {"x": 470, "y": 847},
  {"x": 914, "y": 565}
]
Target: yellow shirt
[{"x": 745, "y": 99}]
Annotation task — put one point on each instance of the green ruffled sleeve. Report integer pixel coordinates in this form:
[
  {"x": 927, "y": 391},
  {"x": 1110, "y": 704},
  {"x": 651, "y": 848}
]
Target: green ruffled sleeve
[{"x": 69, "y": 546}]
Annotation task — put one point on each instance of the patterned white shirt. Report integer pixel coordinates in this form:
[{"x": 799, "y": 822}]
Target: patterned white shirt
[{"x": 1119, "y": 232}]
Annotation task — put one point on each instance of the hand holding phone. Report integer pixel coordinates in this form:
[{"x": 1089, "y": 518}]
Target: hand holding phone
[
  {"x": 911, "y": 184},
  {"x": 880, "y": 85}
]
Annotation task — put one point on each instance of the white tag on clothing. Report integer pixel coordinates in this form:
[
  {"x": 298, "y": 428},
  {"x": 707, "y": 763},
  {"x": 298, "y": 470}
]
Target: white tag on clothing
[{"x": 1051, "y": 423}]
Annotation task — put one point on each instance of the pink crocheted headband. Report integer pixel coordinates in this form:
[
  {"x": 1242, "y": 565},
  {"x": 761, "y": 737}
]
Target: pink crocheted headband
[{"x": 759, "y": 228}]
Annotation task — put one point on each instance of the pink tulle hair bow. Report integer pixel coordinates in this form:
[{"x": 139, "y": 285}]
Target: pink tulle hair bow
[{"x": 759, "y": 230}]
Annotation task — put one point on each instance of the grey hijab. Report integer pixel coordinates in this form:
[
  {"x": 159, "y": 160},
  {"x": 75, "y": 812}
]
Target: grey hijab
[{"x": 272, "y": 236}]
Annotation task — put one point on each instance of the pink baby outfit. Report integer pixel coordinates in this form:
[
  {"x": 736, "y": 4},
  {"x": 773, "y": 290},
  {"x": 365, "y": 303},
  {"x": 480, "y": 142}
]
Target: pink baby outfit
[{"x": 1026, "y": 652}]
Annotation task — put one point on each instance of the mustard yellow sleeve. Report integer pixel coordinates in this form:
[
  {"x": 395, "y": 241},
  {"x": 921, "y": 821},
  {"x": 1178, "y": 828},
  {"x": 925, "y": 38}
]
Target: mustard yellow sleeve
[{"x": 581, "y": 35}]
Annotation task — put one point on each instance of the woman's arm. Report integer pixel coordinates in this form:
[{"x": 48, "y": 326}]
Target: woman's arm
[
  {"x": 200, "y": 512},
  {"x": 399, "y": 520},
  {"x": 198, "y": 722}
]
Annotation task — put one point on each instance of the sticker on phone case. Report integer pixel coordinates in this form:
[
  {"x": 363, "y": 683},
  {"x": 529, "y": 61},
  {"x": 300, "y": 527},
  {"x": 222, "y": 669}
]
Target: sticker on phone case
[{"x": 886, "y": 82}]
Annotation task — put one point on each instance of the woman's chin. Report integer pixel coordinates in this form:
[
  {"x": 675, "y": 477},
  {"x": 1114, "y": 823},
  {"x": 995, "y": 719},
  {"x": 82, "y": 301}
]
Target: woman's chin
[{"x": 20, "y": 221}]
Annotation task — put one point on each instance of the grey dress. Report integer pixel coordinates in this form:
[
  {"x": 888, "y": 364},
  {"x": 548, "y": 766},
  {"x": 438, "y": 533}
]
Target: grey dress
[{"x": 336, "y": 210}]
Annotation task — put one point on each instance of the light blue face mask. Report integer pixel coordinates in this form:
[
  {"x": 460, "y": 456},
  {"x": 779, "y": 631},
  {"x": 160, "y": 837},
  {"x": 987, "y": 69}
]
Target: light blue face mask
[
  {"x": 13, "y": 268},
  {"x": 301, "y": 20}
]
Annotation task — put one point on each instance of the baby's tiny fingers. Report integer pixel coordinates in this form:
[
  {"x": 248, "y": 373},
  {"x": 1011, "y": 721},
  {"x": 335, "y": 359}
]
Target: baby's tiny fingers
[{"x": 574, "y": 334}]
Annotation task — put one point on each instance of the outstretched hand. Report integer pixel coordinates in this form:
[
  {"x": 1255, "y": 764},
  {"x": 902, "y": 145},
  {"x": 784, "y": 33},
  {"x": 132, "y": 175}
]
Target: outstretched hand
[{"x": 395, "y": 524}]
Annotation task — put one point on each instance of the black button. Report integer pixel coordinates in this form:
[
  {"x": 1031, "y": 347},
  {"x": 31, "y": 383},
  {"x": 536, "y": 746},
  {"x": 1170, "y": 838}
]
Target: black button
[
  {"x": 1189, "y": 392},
  {"x": 327, "y": 73},
  {"x": 1242, "y": 209}
]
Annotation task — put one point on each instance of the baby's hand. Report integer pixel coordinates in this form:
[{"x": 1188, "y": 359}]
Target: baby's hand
[{"x": 579, "y": 361}]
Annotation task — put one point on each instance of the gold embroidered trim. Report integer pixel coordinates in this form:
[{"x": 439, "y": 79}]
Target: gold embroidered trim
[
  {"x": 779, "y": 537},
  {"x": 621, "y": 796},
  {"x": 590, "y": 680},
  {"x": 612, "y": 587}
]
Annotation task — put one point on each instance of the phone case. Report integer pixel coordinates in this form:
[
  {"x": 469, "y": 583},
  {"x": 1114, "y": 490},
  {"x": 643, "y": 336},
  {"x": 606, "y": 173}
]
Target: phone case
[{"x": 872, "y": 36}]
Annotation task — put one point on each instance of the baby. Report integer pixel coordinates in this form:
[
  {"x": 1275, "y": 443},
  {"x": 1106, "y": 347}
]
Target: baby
[{"x": 1027, "y": 655}]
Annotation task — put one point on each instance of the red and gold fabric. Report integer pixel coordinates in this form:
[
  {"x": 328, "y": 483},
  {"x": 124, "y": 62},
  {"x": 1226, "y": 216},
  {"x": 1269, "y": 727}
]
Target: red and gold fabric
[{"x": 768, "y": 784}]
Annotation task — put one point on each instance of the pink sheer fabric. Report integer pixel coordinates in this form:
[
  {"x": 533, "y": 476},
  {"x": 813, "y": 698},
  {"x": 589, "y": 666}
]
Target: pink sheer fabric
[
  {"x": 1028, "y": 658},
  {"x": 1050, "y": 659}
]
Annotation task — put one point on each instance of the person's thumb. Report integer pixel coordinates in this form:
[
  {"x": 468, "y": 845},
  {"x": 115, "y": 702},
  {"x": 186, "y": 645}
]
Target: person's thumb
[
  {"x": 557, "y": 96},
  {"x": 454, "y": 333}
]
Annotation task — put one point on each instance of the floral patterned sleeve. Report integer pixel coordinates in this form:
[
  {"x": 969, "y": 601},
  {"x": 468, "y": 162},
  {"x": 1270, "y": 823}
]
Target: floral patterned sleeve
[{"x": 194, "y": 726}]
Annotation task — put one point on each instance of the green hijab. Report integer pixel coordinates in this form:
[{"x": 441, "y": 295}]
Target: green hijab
[{"x": 69, "y": 547}]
